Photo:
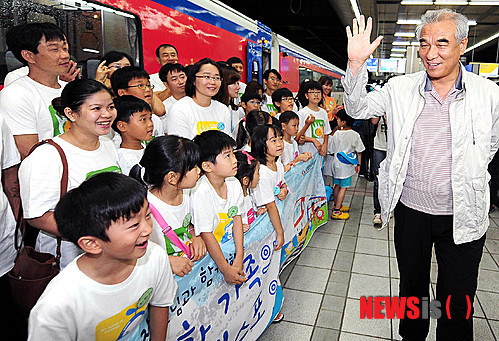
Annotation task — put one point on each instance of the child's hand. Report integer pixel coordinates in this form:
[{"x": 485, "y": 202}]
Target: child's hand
[
  {"x": 282, "y": 193},
  {"x": 309, "y": 120},
  {"x": 337, "y": 108},
  {"x": 246, "y": 228},
  {"x": 305, "y": 157},
  {"x": 181, "y": 266},
  {"x": 301, "y": 140},
  {"x": 279, "y": 241},
  {"x": 234, "y": 275},
  {"x": 198, "y": 248},
  {"x": 323, "y": 150},
  {"x": 261, "y": 211},
  {"x": 357, "y": 169}
]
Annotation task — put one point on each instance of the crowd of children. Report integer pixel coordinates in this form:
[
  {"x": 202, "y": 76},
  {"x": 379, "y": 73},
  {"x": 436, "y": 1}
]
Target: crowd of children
[{"x": 201, "y": 160}]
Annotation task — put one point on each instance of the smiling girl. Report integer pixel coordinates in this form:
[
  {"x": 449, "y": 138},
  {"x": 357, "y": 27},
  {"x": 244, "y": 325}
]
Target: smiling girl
[
  {"x": 89, "y": 107},
  {"x": 198, "y": 111}
]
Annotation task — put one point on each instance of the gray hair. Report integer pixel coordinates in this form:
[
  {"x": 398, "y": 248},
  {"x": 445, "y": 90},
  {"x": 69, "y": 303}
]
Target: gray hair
[{"x": 439, "y": 15}]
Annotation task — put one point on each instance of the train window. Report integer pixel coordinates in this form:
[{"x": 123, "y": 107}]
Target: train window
[{"x": 92, "y": 30}]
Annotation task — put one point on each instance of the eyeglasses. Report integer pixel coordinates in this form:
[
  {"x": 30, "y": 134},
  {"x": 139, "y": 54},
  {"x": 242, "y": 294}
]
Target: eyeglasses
[
  {"x": 255, "y": 102},
  {"x": 142, "y": 86},
  {"x": 314, "y": 92},
  {"x": 287, "y": 99},
  {"x": 273, "y": 79},
  {"x": 117, "y": 66},
  {"x": 208, "y": 78}
]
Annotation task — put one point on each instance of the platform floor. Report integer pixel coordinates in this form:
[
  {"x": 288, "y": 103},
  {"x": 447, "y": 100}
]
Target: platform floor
[{"x": 346, "y": 260}]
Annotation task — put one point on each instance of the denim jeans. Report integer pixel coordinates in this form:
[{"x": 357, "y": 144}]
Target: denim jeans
[{"x": 378, "y": 156}]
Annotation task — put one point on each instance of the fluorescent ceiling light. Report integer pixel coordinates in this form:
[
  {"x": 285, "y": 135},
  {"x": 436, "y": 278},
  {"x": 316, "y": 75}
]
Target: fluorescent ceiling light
[
  {"x": 355, "y": 9},
  {"x": 405, "y": 34},
  {"x": 416, "y": 2},
  {"x": 451, "y": 2},
  {"x": 483, "y": 3},
  {"x": 401, "y": 43},
  {"x": 397, "y": 55},
  {"x": 473, "y": 22},
  {"x": 480, "y": 43},
  {"x": 395, "y": 49},
  {"x": 415, "y": 43},
  {"x": 408, "y": 22}
]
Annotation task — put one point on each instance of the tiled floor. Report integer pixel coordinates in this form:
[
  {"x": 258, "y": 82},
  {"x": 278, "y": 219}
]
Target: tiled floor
[{"x": 346, "y": 260}]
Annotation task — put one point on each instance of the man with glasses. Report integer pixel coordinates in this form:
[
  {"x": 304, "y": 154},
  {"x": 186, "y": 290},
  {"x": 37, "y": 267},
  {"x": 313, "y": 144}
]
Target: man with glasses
[{"x": 272, "y": 80}]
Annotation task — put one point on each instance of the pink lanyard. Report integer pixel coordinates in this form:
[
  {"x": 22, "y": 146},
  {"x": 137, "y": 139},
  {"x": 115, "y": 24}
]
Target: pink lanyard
[{"x": 168, "y": 231}]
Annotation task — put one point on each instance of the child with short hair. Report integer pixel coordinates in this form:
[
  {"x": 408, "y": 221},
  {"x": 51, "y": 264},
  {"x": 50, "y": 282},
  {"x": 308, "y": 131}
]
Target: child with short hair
[
  {"x": 134, "y": 81},
  {"x": 317, "y": 135},
  {"x": 344, "y": 140},
  {"x": 121, "y": 286},
  {"x": 248, "y": 174},
  {"x": 134, "y": 125},
  {"x": 283, "y": 100},
  {"x": 216, "y": 202},
  {"x": 267, "y": 146},
  {"x": 290, "y": 155},
  {"x": 170, "y": 169},
  {"x": 251, "y": 101}
]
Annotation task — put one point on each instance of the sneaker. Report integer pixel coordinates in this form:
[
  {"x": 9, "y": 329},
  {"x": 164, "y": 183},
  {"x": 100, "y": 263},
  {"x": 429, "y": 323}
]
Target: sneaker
[
  {"x": 345, "y": 209},
  {"x": 377, "y": 219},
  {"x": 340, "y": 215}
]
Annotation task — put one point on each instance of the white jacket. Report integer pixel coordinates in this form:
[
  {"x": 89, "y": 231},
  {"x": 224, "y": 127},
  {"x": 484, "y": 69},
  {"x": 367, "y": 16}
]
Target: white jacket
[{"x": 474, "y": 120}]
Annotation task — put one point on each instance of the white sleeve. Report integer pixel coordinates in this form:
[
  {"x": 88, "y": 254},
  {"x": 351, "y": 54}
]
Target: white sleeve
[
  {"x": 178, "y": 121},
  {"x": 40, "y": 181},
  {"x": 263, "y": 194},
  {"x": 19, "y": 110},
  {"x": 166, "y": 288},
  {"x": 227, "y": 118},
  {"x": 358, "y": 103},
  {"x": 10, "y": 154},
  {"x": 203, "y": 212},
  {"x": 238, "y": 196},
  {"x": 359, "y": 146},
  {"x": 327, "y": 126}
]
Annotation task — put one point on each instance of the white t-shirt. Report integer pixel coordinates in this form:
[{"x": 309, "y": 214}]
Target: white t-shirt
[
  {"x": 347, "y": 141},
  {"x": 290, "y": 151},
  {"x": 248, "y": 210},
  {"x": 211, "y": 213},
  {"x": 156, "y": 81},
  {"x": 264, "y": 194},
  {"x": 380, "y": 139},
  {"x": 168, "y": 104},
  {"x": 9, "y": 158},
  {"x": 76, "y": 307},
  {"x": 188, "y": 119},
  {"x": 15, "y": 74},
  {"x": 27, "y": 108},
  {"x": 178, "y": 217},
  {"x": 268, "y": 105},
  {"x": 319, "y": 129},
  {"x": 235, "y": 118},
  {"x": 40, "y": 183},
  {"x": 127, "y": 158}
]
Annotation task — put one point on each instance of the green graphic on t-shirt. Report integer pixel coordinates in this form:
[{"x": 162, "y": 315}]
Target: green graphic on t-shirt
[
  {"x": 317, "y": 129},
  {"x": 232, "y": 212},
  {"x": 115, "y": 169},
  {"x": 272, "y": 109},
  {"x": 184, "y": 236},
  {"x": 59, "y": 123}
]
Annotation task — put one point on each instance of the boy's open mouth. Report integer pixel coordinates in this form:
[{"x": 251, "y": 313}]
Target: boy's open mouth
[{"x": 143, "y": 244}]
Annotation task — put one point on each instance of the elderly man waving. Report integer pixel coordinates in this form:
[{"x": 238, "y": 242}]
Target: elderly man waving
[{"x": 443, "y": 128}]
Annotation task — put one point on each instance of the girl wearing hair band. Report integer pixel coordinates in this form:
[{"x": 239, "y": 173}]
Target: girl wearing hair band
[
  {"x": 169, "y": 168},
  {"x": 89, "y": 107}
]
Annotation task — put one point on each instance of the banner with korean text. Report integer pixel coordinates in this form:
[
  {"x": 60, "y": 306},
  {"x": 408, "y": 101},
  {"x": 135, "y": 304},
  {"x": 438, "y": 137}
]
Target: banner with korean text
[{"x": 208, "y": 308}]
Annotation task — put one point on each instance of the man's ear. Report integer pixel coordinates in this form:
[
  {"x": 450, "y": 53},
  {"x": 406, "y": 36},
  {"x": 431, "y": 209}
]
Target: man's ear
[
  {"x": 28, "y": 56},
  {"x": 207, "y": 166},
  {"x": 462, "y": 45},
  {"x": 121, "y": 92},
  {"x": 89, "y": 244}
]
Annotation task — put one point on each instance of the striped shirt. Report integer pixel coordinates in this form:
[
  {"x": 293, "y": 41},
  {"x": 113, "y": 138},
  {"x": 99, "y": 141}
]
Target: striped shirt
[{"x": 428, "y": 185}]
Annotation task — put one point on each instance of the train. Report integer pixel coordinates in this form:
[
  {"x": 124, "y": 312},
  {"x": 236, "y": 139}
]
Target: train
[{"x": 197, "y": 28}]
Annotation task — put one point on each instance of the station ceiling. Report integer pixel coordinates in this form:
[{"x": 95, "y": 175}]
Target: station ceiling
[{"x": 319, "y": 25}]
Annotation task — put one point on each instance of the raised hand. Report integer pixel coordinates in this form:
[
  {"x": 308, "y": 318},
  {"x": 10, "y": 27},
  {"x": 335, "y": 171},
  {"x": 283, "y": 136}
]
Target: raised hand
[{"x": 359, "y": 43}]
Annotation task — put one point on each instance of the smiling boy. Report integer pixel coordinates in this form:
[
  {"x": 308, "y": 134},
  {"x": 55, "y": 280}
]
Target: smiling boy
[{"x": 122, "y": 285}]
